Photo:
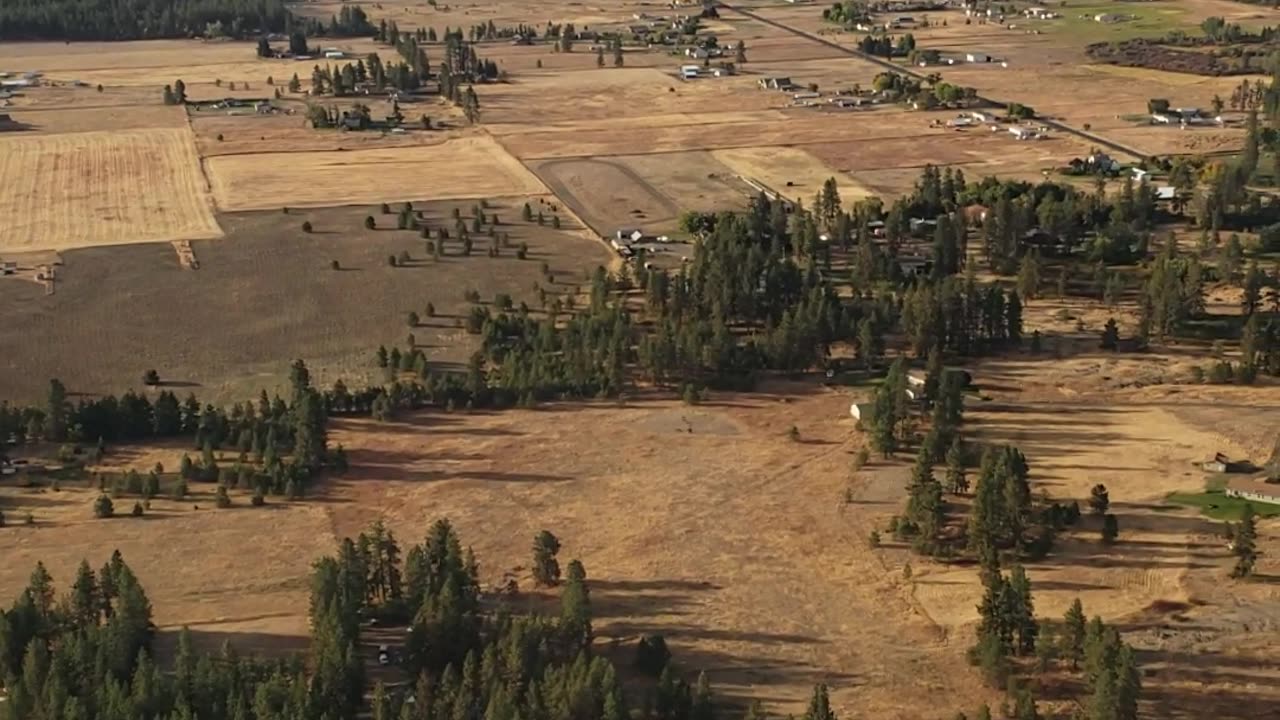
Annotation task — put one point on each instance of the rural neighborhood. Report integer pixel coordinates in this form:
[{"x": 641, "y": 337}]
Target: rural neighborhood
[{"x": 639, "y": 360}]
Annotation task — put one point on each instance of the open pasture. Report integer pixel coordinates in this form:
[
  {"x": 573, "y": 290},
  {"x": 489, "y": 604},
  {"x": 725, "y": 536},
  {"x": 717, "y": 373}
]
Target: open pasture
[
  {"x": 98, "y": 119},
  {"x": 792, "y": 171},
  {"x": 101, "y": 188},
  {"x": 265, "y": 294},
  {"x": 470, "y": 167}
]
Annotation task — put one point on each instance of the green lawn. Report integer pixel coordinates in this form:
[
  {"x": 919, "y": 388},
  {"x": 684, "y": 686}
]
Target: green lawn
[
  {"x": 1150, "y": 20},
  {"x": 1213, "y": 503}
]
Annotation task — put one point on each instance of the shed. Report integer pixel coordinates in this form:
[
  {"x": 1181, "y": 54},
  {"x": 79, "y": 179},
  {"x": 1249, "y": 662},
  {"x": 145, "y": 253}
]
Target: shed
[
  {"x": 1254, "y": 490},
  {"x": 1218, "y": 464},
  {"x": 861, "y": 411},
  {"x": 977, "y": 57}
]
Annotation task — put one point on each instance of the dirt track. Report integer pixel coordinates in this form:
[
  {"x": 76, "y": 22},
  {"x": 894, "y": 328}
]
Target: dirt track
[{"x": 607, "y": 195}]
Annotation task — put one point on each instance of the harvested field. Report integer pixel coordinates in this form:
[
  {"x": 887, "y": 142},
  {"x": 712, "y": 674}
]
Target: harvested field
[
  {"x": 266, "y": 134},
  {"x": 791, "y": 171},
  {"x": 693, "y": 180},
  {"x": 102, "y": 188},
  {"x": 606, "y": 194},
  {"x": 263, "y": 295},
  {"x": 802, "y": 126},
  {"x": 115, "y": 117},
  {"x": 471, "y": 167}
]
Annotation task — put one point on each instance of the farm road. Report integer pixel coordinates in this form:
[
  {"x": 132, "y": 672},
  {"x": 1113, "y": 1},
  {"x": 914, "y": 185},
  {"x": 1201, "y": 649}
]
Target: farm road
[{"x": 1056, "y": 125}]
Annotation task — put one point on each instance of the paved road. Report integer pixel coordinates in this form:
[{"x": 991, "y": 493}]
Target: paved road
[{"x": 882, "y": 62}]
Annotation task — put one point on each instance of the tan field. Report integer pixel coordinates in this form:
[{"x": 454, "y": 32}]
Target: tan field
[
  {"x": 472, "y": 167},
  {"x": 794, "y": 172},
  {"x": 102, "y": 188}
]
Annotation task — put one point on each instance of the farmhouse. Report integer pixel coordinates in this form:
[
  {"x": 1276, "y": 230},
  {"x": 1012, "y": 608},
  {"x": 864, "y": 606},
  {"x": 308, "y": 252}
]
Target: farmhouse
[
  {"x": 776, "y": 83},
  {"x": 1253, "y": 490},
  {"x": 915, "y": 265}
]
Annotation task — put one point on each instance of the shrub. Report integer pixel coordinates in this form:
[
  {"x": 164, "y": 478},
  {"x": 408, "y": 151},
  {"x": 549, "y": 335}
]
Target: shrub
[
  {"x": 335, "y": 265},
  {"x": 221, "y": 498},
  {"x": 219, "y": 137},
  {"x": 413, "y": 319},
  {"x": 522, "y": 252},
  {"x": 431, "y": 310},
  {"x": 258, "y": 499},
  {"x": 137, "y": 510},
  {"x": 873, "y": 540},
  {"x": 794, "y": 433},
  {"x": 369, "y": 222},
  {"x": 306, "y": 227},
  {"x": 652, "y": 655},
  {"x": 103, "y": 507},
  {"x": 385, "y": 209},
  {"x": 151, "y": 378},
  {"x": 391, "y": 260}
]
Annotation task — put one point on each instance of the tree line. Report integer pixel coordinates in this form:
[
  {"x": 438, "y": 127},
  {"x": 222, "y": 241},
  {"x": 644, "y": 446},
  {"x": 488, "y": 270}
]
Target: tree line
[
  {"x": 271, "y": 428},
  {"x": 151, "y": 19}
]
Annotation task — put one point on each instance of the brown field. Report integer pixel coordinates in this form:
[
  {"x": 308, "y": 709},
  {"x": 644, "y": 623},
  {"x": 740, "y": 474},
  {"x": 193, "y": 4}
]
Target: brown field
[
  {"x": 102, "y": 188},
  {"x": 794, "y": 172},
  {"x": 746, "y": 549},
  {"x": 107, "y": 118},
  {"x": 713, "y": 528},
  {"x": 265, "y": 294},
  {"x": 471, "y": 167}
]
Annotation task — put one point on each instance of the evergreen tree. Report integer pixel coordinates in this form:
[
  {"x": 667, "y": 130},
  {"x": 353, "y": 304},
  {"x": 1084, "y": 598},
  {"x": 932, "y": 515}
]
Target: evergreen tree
[{"x": 546, "y": 569}]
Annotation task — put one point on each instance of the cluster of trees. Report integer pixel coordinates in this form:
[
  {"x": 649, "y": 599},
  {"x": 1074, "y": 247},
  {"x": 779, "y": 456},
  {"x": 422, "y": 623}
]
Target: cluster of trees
[
  {"x": 175, "y": 94},
  {"x": 847, "y": 13},
  {"x": 368, "y": 73},
  {"x": 1008, "y": 629},
  {"x": 886, "y": 46},
  {"x": 269, "y": 429},
  {"x": 88, "y": 655},
  {"x": 930, "y": 93}
]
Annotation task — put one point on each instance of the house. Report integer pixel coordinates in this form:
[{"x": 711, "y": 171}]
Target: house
[
  {"x": 1139, "y": 174},
  {"x": 698, "y": 53},
  {"x": 1218, "y": 464},
  {"x": 776, "y": 83},
  {"x": 915, "y": 266},
  {"x": 846, "y": 102},
  {"x": 689, "y": 72},
  {"x": 805, "y": 96},
  {"x": 861, "y": 411},
  {"x": 1166, "y": 193},
  {"x": 1102, "y": 161},
  {"x": 334, "y": 54},
  {"x": 1253, "y": 490},
  {"x": 961, "y": 121},
  {"x": 982, "y": 117},
  {"x": 628, "y": 235},
  {"x": 1022, "y": 132},
  {"x": 977, "y": 57}
]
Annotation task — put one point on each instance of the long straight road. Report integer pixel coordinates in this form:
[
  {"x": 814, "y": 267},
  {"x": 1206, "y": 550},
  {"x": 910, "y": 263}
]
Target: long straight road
[{"x": 905, "y": 70}]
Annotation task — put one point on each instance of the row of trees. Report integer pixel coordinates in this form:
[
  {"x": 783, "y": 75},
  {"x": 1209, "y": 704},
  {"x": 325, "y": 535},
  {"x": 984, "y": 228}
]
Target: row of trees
[
  {"x": 150, "y": 19},
  {"x": 271, "y": 427}
]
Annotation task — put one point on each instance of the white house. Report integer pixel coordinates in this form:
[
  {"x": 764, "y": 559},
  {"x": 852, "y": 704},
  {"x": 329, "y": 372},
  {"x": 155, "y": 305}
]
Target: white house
[
  {"x": 1253, "y": 490},
  {"x": 1021, "y": 132}
]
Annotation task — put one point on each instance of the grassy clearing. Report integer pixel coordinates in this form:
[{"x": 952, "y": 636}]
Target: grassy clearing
[
  {"x": 1149, "y": 20},
  {"x": 1214, "y": 503}
]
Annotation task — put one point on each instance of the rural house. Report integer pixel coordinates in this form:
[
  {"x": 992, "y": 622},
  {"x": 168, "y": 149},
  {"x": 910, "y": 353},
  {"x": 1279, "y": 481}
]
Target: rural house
[
  {"x": 776, "y": 83},
  {"x": 1253, "y": 490},
  {"x": 1219, "y": 464},
  {"x": 977, "y": 57},
  {"x": 861, "y": 411}
]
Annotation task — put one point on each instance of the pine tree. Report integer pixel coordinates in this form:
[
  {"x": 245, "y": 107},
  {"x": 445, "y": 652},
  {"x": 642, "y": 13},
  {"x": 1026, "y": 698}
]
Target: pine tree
[
  {"x": 957, "y": 482},
  {"x": 575, "y": 607},
  {"x": 546, "y": 569},
  {"x": 1074, "y": 633},
  {"x": 1099, "y": 499}
]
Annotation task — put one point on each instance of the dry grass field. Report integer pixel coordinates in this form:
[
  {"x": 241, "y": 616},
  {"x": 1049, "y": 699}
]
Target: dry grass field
[
  {"x": 470, "y": 167},
  {"x": 101, "y": 188},
  {"x": 263, "y": 295},
  {"x": 709, "y": 525},
  {"x": 792, "y": 171}
]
